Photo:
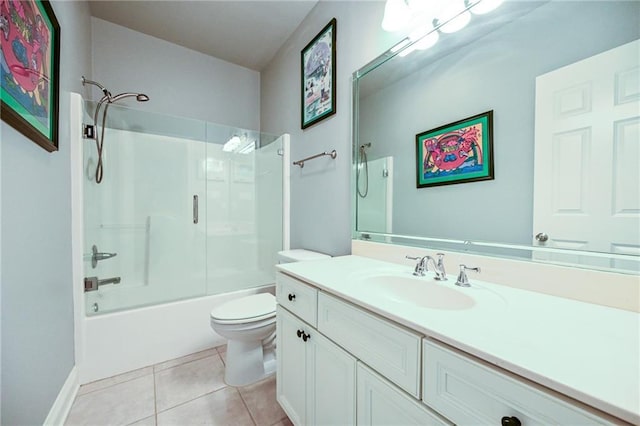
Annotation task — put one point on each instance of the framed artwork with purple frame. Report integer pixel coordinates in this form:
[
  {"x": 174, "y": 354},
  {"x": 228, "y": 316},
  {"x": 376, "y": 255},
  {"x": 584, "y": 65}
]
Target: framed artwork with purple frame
[
  {"x": 29, "y": 74},
  {"x": 318, "y": 61},
  {"x": 456, "y": 152}
]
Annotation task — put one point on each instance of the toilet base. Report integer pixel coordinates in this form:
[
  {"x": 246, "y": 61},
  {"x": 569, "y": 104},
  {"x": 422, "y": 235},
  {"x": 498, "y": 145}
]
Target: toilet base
[{"x": 248, "y": 362}]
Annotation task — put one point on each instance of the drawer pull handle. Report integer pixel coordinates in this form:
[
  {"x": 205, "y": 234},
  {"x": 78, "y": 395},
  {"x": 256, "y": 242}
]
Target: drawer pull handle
[
  {"x": 510, "y": 421},
  {"x": 306, "y": 337},
  {"x": 291, "y": 297},
  {"x": 300, "y": 333}
]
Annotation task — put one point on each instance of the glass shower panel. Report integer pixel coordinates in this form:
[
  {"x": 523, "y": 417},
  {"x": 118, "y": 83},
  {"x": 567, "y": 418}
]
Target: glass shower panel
[
  {"x": 143, "y": 211},
  {"x": 244, "y": 208}
]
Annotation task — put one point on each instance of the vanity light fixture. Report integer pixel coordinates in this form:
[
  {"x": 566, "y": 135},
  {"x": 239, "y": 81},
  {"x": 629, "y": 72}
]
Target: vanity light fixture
[
  {"x": 239, "y": 144},
  {"x": 450, "y": 16},
  {"x": 232, "y": 144},
  {"x": 396, "y": 15}
]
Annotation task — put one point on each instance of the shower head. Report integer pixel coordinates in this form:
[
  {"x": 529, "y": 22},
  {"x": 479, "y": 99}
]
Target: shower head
[{"x": 140, "y": 97}]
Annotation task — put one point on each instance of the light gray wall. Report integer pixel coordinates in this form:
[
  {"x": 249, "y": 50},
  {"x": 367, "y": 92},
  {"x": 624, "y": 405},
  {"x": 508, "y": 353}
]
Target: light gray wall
[
  {"x": 496, "y": 72},
  {"x": 321, "y": 191},
  {"x": 179, "y": 81},
  {"x": 37, "y": 302}
]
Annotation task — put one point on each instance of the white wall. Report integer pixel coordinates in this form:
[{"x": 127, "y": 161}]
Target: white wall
[
  {"x": 179, "y": 81},
  {"x": 321, "y": 192},
  {"x": 37, "y": 303}
]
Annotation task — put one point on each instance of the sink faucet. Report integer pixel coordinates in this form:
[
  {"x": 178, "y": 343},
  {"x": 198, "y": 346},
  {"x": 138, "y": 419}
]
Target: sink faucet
[{"x": 423, "y": 266}]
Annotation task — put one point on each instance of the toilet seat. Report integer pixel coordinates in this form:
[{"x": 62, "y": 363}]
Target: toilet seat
[{"x": 254, "y": 308}]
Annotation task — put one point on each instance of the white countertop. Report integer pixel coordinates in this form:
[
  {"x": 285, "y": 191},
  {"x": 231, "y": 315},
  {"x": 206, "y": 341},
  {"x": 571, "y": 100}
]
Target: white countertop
[{"x": 585, "y": 351}]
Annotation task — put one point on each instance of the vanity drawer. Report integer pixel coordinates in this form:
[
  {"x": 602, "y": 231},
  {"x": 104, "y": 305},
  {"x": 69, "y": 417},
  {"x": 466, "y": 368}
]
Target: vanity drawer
[
  {"x": 298, "y": 297},
  {"x": 470, "y": 392},
  {"x": 387, "y": 348}
]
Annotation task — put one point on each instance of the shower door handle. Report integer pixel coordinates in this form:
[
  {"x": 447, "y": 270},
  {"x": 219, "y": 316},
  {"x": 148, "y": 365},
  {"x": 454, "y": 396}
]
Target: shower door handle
[{"x": 195, "y": 209}]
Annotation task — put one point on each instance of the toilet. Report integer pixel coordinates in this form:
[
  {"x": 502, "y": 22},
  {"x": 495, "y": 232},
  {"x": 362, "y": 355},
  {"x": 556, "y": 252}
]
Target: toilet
[{"x": 249, "y": 325}]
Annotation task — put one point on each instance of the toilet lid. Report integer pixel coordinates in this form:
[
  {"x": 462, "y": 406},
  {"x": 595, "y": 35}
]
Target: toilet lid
[{"x": 254, "y": 307}]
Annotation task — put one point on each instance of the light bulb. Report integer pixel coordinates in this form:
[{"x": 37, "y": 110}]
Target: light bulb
[
  {"x": 396, "y": 15},
  {"x": 485, "y": 6}
]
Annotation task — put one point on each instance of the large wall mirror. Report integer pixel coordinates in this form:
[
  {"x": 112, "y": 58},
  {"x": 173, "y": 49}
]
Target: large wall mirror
[{"x": 562, "y": 79}]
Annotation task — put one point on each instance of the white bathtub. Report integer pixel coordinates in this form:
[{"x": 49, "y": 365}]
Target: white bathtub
[{"x": 123, "y": 341}]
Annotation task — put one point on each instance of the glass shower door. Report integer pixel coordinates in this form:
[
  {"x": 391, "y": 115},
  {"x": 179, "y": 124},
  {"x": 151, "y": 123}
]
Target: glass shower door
[
  {"x": 145, "y": 211},
  {"x": 244, "y": 209}
]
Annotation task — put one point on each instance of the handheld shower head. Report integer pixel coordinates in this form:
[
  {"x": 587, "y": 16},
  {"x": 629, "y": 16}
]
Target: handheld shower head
[
  {"x": 107, "y": 100},
  {"x": 140, "y": 97}
]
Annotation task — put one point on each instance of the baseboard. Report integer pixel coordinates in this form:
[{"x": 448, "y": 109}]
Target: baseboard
[{"x": 62, "y": 405}]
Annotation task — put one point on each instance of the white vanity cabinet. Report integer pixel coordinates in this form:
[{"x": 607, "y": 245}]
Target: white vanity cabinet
[
  {"x": 315, "y": 377},
  {"x": 471, "y": 392},
  {"x": 341, "y": 364}
]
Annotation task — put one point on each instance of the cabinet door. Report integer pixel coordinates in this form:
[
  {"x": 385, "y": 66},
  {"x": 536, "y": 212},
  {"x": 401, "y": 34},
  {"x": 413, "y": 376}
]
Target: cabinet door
[
  {"x": 331, "y": 381},
  {"x": 290, "y": 376},
  {"x": 381, "y": 403}
]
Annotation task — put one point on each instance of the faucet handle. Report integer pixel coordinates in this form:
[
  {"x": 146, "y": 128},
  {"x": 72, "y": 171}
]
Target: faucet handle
[{"x": 462, "y": 280}]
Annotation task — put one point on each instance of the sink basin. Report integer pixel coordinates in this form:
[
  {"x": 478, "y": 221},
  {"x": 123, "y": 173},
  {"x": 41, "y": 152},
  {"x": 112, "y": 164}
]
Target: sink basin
[{"x": 421, "y": 292}]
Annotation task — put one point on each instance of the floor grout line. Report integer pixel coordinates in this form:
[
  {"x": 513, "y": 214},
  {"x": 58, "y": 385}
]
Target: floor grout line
[
  {"x": 246, "y": 407},
  {"x": 155, "y": 400},
  {"x": 191, "y": 400}
]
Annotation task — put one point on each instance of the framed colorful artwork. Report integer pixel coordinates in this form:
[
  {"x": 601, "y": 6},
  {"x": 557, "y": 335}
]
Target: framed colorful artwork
[
  {"x": 29, "y": 59},
  {"x": 456, "y": 153},
  {"x": 318, "y": 60}
]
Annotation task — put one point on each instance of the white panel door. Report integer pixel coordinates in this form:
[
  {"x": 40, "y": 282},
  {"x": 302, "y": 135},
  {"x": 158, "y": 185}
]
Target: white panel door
[
  {"x": 381, "y": 403},
  {"x": 331, "y": 383},
  {"x": 587, "y": 154},
  {"x": 290, "y": 374}
]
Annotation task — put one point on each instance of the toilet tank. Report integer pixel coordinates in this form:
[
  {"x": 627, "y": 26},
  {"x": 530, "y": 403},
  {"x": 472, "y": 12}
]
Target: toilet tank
[{"x": 299, "y": 255}]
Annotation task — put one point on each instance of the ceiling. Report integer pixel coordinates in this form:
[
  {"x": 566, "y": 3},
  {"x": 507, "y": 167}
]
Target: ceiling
[{"x": 246, "y": 33}]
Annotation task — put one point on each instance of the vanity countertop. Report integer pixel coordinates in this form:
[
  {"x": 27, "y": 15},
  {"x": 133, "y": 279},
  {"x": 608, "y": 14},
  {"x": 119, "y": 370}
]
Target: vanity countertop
[{"x": 585, "y": 351}]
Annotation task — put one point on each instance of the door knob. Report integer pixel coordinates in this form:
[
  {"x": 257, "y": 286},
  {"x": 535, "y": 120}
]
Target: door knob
[
  {"x": 300, "y": 333},
  {"x": 291, "y": 297},
  {"x": 542, "y": 237}
]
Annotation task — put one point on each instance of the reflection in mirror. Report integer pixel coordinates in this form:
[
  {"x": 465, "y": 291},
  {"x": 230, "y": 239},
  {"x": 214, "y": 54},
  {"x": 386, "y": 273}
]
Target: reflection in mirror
[{"x": 563, "y": 81}]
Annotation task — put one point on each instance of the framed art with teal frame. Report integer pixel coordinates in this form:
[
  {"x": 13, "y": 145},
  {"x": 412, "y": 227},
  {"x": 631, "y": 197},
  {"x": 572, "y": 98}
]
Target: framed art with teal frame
[
  {"x": 318, "y": 60},
  {"x": 29, "y": 73},
  {"x": 456, "y": 152}
]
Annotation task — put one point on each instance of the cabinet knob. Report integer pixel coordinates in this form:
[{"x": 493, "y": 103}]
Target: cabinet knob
[
  {"x": 510, "y": 421},
  {"x": 306, "y": 337},
  {"x": 291, "y": 297},
  {"x": 300, "y": 333}
]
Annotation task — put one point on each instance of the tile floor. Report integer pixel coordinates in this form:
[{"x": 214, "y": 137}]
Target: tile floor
[{"x": 184, "y": 391}]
